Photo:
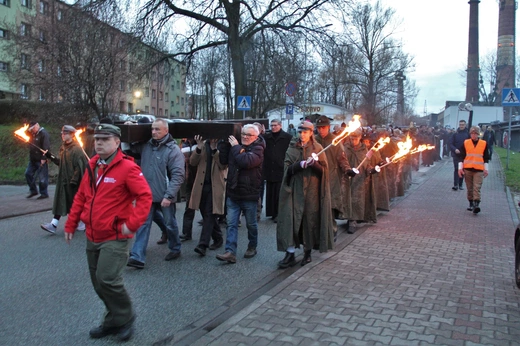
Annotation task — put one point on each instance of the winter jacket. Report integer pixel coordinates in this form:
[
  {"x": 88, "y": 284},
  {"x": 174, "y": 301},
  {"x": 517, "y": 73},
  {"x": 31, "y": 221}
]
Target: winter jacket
[
  {"x": 163, "y": 166},
  {"x": 41, "y": 140},
  {"x": 105, "y": 207},
  {"x": 244, "y": 178},
  {"x": 457, "y": 140}
]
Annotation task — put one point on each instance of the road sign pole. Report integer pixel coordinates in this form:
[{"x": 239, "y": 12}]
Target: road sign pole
[{"x": 509, "y": 137}]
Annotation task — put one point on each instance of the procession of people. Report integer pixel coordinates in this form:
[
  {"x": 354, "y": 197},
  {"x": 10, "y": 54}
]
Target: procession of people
[{"x": 310, "y": 181}]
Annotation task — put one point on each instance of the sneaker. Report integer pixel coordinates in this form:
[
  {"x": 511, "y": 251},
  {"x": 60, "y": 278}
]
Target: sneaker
[
  {"x": 81, "y": 227},
  {"x": 250, "y": 253},
  {"x": 49, "y": 227}
]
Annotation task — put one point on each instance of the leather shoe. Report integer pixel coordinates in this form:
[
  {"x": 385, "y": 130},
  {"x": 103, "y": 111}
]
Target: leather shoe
[
  {"x": 42, "y": 196},
  {"x": 201, "y": 250},
  {"x": 135, "y": 264},
  {"x": 306, "y": 258},
  {"x": 216, "y": 244},
  {"x": 32, "y": 194},
  {"x": 163, "y": 240},
  {"x": 288, "y": 261},
  {"x": 172, "y": 255},
  {"x": 227, "y": 257},
  {"x": 101, "y": 332},
  {"x": 250, "y": 253},
  {"x": 184, "y": 237}
]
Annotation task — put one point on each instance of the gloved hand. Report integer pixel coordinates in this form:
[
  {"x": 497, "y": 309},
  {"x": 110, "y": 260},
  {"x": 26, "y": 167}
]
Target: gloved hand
[
  {"x": 303, "y": 164},
  {"x": 309, "y": 162},
  {"x": 351, "y": 173},
  {"x": 373, "y": 171}
]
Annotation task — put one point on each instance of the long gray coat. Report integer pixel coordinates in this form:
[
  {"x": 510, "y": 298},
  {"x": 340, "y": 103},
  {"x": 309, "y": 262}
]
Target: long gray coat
[
  {"x": 72, "y": 165},
  {"x": 305, "y": 215}
]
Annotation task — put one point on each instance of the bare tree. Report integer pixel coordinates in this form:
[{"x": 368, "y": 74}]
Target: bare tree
[{"x": 376, "y": 58}]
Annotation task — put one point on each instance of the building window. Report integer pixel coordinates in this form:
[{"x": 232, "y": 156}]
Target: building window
[
  {"x": 24, "y": 91},
  {"x": 24, "y": 61},
  {"x": 122, "y": 85},
  {"x": 4, "y": 34},
  {"x": 147, "y": 92},
  {"x": 160, "y": 112},
  {"x": 154, "y": 75},
  {"x": 59, "y": 15},
  {"x": 147, "y": 109},
  {"x": 166, "y": 113},
  {"x": 153, "y": 94},
  {"x": 41, "y": 96},
  {"x": 166, "y": 97},
  {"x": 160, "y": 95},
  {"x": 178, "y": 99},
  {"x": 25, "y": 29},
  {"x": 153, "y": 110},
  {"x": 44, "y": 7},
  {"x": 26, "y": 3},
  {"x": 183, "y": 86},
  {"x": 122, "y": 106},
  {"x": 178, "y": 85},
  {"x": 5, "y": 2},
  {"x": 182, "y": 101},
  {"x": 4, "y": 67},
  {"x": 41, "y": 65},
  {"x": 177, "y": 114},
  {"x": 130, "y": 107},
  {"x": 172, "y": 104},
  {"x": 42, "y": 36}
]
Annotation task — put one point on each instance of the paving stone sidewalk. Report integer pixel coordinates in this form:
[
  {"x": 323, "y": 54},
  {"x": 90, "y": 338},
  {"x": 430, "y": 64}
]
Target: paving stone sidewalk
[{"x": 428, "y": 273}]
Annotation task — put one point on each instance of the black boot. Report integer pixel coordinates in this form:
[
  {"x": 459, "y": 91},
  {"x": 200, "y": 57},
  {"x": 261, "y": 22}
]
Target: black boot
[
  {"x": 306, "y": 258},
  {"x": 288, "y": 261},
  {"x": 164, "y": 239},
  {"x": 471, "y": 206},
  {"x": 476, "y": 207}
]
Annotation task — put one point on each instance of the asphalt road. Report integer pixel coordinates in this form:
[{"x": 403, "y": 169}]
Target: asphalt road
[{"x": 47, "y": 298}]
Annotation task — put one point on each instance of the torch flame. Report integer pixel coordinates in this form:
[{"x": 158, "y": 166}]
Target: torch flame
[
  {"x": 353, "y": 125},
  {"x": 422, "y": 147},
  {"x": 404, "y": 148},
  {"x": 381, "y": 143},
  {"x": 21, "y": 133},
  {"x": 78, "y": 136}
]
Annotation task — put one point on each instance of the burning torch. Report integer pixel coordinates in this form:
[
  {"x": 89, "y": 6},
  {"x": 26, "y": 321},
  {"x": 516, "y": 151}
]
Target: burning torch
[
  {"x": 376, "y": 147},
  {"x": 353, "y": 125},
  {"x": 21, "y": 134},
  {"x": 405, "y": 148},
  {"x": 80, "y": 141}
]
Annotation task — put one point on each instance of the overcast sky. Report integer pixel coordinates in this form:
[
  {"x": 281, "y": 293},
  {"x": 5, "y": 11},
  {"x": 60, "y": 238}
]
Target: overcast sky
[{"x": 435, "y": 32}]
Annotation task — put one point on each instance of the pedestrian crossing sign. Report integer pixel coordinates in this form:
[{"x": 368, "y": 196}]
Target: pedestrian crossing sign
[
  {"x": 244, "y": 103},
  {"x": 510, "y": 97}
]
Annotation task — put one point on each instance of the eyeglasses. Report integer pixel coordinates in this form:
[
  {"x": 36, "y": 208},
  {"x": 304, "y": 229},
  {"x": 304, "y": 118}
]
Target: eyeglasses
[{"x": 248, "y": 135}]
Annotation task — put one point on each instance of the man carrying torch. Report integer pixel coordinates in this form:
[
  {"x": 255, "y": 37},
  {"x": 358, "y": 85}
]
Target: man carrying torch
[{"x": 40, "y": 142}]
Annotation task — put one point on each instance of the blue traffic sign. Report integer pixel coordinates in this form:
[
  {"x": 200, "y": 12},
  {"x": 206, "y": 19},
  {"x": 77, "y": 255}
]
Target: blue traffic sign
[
  {"x": 511, "y": 97},
  {"x": 289, "y": 109},
  {"x": 244, "y": 103},
  {"x": 290, "y": 89}
]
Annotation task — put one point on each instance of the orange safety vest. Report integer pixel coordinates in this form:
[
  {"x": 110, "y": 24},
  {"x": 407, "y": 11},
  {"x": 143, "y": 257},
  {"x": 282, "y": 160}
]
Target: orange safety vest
[{"x": 474, "y": 154}]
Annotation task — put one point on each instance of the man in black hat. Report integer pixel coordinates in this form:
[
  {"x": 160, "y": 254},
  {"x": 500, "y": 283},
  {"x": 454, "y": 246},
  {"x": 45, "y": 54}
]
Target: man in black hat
[
  {"x": 37, "y": 161},
  {"x": 113, "y": 201},
  {"x": 72, "y": 163}
]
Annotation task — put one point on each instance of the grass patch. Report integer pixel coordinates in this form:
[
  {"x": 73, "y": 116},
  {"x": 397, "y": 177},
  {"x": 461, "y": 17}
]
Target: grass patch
[
  {"x": 512, "y": 174},
  {"x": 15, "y": 154}
]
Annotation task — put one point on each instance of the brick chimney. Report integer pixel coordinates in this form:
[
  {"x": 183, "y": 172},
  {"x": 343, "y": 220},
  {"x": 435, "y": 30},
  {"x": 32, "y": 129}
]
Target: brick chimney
[
  {"x": 473, "y": 70},
  {"x": 505, "y": 47}
]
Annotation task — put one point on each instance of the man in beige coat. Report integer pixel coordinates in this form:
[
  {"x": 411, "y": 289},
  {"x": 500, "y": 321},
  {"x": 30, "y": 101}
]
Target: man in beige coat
[{"x": 209, "y": 190}]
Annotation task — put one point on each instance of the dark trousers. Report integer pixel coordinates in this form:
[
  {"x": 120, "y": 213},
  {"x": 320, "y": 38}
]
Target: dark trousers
[
  {"x": 272, "y": 195},
  {"x": 189, "y": 215},
  {"x": 210, "y": 226},
  {"x": 36, "y": 169},
  {"x": 457, "y": 181},
  {"x": 106, "y": 262}
]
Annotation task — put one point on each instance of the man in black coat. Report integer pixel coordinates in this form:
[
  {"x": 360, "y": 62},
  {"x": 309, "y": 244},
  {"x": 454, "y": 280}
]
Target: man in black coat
[
  {"x": 276, "y": 144},
  {"x": 38, "y": 166},
  {"x": 456, "y": 144}
]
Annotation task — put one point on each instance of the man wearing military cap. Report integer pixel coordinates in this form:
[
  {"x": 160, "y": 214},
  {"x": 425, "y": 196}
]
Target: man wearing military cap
[
  {"x": 339, "y": 171},
  {"x": 72, "y": 163},
  {"x": 113, "y": 201}
]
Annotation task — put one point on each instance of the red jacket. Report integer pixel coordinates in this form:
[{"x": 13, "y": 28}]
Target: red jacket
[{"x": 104, "y": 208}]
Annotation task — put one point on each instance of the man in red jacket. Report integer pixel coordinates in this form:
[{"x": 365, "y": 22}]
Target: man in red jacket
[{"x": 105, "y": 203}]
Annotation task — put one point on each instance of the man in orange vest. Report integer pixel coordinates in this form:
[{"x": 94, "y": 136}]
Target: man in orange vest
[{"x": 474, "y": 157}]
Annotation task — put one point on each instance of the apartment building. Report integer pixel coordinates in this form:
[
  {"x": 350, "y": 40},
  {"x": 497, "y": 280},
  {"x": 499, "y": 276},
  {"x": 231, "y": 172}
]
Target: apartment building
[{"x": 54, "y": 52}]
